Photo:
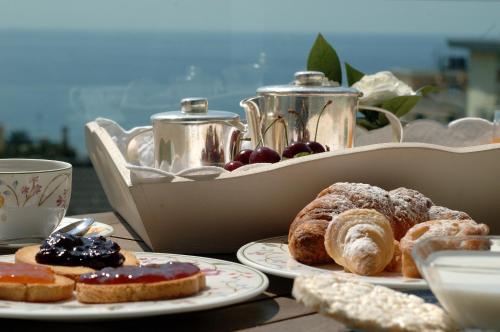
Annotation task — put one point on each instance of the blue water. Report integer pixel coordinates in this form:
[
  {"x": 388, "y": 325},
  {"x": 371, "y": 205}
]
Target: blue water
[{"x": 50, "y": 79}]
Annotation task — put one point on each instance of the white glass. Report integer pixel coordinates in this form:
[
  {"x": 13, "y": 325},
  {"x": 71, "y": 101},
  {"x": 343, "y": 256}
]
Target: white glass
[
  {"x": 496, "y": 128},
  {"x": 464, "y": 274}
]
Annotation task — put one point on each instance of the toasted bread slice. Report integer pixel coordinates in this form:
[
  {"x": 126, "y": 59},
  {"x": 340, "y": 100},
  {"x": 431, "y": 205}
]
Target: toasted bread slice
[
  {"x": 27, "y": 255},
  {"x": 61, "y": 289},
  {"x": 105, "y": 293}
]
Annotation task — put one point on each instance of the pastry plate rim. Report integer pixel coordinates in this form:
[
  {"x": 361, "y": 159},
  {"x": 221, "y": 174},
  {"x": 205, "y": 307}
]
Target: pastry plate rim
[
  {"x": 77, "y": 311},
  {"x": 285, "y": 272}
]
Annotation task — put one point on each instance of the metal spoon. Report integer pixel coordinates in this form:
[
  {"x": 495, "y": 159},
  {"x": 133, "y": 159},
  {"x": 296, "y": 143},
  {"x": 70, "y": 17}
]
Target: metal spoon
[{"x": 77, "y": 228}]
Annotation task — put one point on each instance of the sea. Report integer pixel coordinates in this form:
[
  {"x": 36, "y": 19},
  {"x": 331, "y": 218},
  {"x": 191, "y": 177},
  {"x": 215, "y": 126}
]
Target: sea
[{"x": 53, "y": 79}]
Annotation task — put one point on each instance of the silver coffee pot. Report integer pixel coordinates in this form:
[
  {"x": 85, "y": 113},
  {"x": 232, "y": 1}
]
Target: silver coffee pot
[
  {"x": 192, "y": 137},
  {"x": 309, "y": 109}
]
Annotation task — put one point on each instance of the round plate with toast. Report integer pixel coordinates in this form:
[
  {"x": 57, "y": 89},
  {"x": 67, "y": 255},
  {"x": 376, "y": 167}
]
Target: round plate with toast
[
  {"x": 272, "y": 256},
  {"x": 97, "y": 228},
  {"x": 227, "y": 283}
]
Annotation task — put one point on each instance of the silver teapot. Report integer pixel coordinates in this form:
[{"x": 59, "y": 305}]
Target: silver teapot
[
  {"x": 192, "y": 137},
  {"x": 310, "y": 109}
]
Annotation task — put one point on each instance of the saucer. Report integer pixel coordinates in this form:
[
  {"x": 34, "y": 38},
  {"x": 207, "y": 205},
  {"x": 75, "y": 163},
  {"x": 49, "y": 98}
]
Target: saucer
[{"x": 97, "y": 228}]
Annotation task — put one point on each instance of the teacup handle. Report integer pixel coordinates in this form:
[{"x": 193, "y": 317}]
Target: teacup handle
[
  {"x": 132, "y": 147},
  {"x": 397, "y": 127}
]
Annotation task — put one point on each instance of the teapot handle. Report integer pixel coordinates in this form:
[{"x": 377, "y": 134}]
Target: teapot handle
[
  {"x": 397, "y": 127},
  {"x": 253, "y": 116}
]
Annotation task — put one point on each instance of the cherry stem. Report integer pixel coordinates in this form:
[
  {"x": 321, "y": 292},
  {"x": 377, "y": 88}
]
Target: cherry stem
[
  {"x": 261, "y": 142},
  {"x": 265, "y": 131},
  {"x": 319, "y": 117},
  {"x": 294, "y": 112},
  {"x": 286, "y": 130}
]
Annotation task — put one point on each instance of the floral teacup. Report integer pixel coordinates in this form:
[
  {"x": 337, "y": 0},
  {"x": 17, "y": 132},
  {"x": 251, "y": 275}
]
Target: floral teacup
[{"x": 34, "y": 196}]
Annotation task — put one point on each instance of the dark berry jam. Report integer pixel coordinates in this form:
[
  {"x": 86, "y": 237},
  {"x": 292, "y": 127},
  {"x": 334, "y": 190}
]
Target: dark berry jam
[
  {"x": 95, "y": 252},
  {"x": 140, "y": 274}
]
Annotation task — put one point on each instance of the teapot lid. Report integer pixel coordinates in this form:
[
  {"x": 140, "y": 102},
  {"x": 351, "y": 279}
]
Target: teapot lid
[
  {"x": 308, "y": 82},
  {"x": 194, "y": 109}
]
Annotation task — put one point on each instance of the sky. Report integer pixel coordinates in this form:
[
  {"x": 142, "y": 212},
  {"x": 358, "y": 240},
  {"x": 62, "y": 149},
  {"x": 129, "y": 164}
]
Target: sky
[{"x": 474, "y": 18}]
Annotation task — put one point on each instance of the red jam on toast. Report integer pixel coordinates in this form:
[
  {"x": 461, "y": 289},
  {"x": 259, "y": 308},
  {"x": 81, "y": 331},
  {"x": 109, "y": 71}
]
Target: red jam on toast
[
  {"x": 140, "y": 274},
  {"x": 26, "y": 273}
]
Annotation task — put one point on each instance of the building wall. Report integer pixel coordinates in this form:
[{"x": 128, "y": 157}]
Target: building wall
[{"x": 483, "y": 91}]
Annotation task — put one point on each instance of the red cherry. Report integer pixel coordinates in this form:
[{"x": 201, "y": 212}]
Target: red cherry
[
  {"x": 232, "y": 165},
  {"x": 315, "y": 147},
  {"x": 264, "y": 155},
  {"x": 243, "y": 156},
  {"x": 295, "y": 148}
]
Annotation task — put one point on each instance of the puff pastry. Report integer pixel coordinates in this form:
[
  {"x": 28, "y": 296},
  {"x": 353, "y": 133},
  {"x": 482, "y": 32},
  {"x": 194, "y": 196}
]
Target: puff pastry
[
  {"x": 306, "y": 236},
  {"x": 442, "y": 213},
  {"x": 360, "y": 240},
  {"x": 403, "y": 207},
  {"x": 395, "y": 265},
  {"x": 434, "y": 228},
  {"x": 409, "y": 208}
]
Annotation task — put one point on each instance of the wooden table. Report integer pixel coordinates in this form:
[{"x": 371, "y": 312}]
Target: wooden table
[{"x": 274, "y": 310}]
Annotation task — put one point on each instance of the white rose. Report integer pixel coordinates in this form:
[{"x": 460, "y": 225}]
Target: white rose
[{"x": 381, "y": 86}]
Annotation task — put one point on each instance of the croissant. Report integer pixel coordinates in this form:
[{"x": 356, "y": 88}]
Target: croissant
[
  {"x": 395, "y": 265},
  {"x": 410, "y": 208},
  {"x": 306, "y": 236},
  {"x": 360, "y": 240},
  {"x": 434, "y": 228},
  {"x": 443, "y": 213},
  {"x": 404, "y": 208}
]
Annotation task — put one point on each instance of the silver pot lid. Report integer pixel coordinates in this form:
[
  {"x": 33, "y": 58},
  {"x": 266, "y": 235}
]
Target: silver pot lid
[
  {"x": 195, "y": 109},
  {"x": 308, "y": 82}
]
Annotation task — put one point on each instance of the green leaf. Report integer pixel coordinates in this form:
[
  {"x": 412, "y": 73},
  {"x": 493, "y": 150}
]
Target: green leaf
[
  {"x": 353, "y": 75},
  {"x": 301, "y": 154},
  {"x": 367, "y": 124},
  {"x": 401, "y": 105},
  {"x": 427, "y": 89},
  {"x": 323, "y": 57}
]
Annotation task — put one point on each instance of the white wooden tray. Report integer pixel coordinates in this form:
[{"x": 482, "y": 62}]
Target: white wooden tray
[{"x": 219, "y": 215}]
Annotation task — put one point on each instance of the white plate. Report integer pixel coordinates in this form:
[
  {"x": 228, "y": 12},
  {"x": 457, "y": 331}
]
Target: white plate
[
  {"x": 97, "y": 228},
  {"x": 227, "y": 283},
  {"x": 272, "y": 256}
]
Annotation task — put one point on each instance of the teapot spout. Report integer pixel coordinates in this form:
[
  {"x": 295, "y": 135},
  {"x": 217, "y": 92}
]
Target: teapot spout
[{"x": 253, "y": 116}]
